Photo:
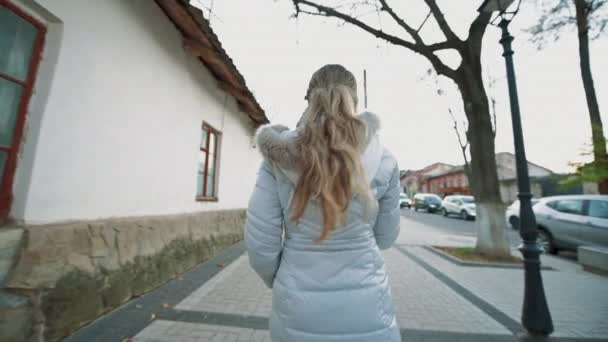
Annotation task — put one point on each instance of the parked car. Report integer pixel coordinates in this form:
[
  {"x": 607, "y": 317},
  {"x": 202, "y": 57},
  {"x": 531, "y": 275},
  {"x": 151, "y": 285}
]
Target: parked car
[
  {"x": 512, "y": 213},
  {"x": 404, "y": 201},
  {"x": 464, "y": 206},
  {"x": 430, "y": 202},
  {"x": 566, "y": 222}
]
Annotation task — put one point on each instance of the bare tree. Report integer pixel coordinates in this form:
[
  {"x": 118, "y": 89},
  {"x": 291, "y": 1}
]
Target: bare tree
[
  {"x": 463, "y": 142},
  {"x": 590, "y": 17},
  {"x": 467, "y": 77}
]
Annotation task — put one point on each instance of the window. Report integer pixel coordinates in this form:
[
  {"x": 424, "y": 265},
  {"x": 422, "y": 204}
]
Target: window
[
  {"x": 206, "y": 178},
  {"x": 468, "y": 199},
  {"x": 570, "y": 206},
  {"x": 21, "y": 41},
  {"x": 598, "y": 209},
  {"x": 432, "y": 199}
]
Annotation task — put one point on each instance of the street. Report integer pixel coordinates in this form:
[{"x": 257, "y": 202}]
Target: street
[
  {"x": 435, "y": 298},
  {"x": 455, "y": 226},
  {"x": 450, "y": 225}
]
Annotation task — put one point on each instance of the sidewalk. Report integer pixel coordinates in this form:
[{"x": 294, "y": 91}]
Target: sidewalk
[{"x": 436, "y": 300}]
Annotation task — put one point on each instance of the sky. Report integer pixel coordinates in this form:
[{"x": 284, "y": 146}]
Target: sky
[{"x": 277, "y": 54}]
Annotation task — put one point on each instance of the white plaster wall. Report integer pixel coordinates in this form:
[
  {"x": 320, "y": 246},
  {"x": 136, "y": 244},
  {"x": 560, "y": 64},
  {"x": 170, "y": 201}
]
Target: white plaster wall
[
  {"x": 120, "y": 130},
  {"x": 507, "y": 168},
  {"x": 509, "y": 191}
]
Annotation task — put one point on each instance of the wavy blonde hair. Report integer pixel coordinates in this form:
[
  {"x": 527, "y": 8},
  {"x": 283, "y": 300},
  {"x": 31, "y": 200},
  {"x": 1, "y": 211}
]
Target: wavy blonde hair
[{"x": 331, "y": 140}]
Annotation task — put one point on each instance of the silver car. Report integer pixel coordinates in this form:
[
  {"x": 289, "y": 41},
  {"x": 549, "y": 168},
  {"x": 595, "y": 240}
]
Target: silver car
[
  {"x": 566, "y": 222},
  {"x": 404, "y": 201},
  {"x": 464, "y": 206},
  {"x": 512, "y": 213}
]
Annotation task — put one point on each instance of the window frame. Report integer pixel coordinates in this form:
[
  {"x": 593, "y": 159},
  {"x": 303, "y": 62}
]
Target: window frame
[
  {"x": 12, "y": 151},
  {"x": 210, "y": 130}
]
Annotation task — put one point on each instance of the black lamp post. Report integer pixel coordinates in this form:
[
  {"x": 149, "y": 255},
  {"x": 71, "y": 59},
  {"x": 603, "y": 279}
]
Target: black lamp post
[{"x": 536, "y": 317}]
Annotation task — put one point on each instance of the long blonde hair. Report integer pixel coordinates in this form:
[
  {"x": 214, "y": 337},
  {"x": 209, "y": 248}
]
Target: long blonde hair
[{"x": 331, "y": 140}]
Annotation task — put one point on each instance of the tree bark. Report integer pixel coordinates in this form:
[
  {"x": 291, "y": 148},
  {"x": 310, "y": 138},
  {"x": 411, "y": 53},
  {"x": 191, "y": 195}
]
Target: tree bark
[
  {"x": 597, "y": 129},
  {"x": 491, "y": 237}
]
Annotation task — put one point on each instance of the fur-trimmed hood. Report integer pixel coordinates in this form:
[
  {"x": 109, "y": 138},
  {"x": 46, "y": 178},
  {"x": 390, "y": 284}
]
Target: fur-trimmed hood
[{"x": 277, "y": 143}]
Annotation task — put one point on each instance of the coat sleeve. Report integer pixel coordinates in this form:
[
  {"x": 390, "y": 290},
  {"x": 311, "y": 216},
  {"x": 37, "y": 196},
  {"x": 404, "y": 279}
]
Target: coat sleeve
[
  {"x": 386, "y": 229},
  {"x": 264, "y": 227}
]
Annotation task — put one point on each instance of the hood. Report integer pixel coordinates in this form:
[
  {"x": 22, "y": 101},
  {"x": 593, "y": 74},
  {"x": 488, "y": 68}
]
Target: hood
[{"x": 278, "y": 144}]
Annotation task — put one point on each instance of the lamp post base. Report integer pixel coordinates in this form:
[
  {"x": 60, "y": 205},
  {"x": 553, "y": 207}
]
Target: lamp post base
[
  {"x": 527, "y": 337},
  {"x": 535, "y": 312}
]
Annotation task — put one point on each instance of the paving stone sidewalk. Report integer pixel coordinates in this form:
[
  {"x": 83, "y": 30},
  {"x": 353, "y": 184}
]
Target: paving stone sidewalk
[{"x": 436, "y": 300}]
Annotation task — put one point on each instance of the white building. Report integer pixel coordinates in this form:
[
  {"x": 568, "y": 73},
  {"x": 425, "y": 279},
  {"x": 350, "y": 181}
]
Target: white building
[
  {"x": 123, "y": 119},
  {"x": 506, "y": 167}
]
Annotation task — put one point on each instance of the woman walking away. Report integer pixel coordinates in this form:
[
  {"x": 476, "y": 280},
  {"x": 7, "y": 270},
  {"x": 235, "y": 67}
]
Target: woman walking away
[{"x": 325, "y": 203}]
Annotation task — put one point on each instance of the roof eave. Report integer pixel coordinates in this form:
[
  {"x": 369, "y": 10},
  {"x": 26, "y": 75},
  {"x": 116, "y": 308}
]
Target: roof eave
[{"x": 201, "y": 42}]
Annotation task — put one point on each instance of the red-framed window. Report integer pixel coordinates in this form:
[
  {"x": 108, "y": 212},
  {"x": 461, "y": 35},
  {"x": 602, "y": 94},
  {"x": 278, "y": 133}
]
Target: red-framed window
[
  {"x": 206, "y": 178},
  {"x": 21, "y": 43}
]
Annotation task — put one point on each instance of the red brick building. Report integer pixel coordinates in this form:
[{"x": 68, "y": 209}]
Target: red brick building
[
  {"x": 412, "y": 181},
  {"x": 452, "y": 182},
  {"x": 455, "y": 182}
]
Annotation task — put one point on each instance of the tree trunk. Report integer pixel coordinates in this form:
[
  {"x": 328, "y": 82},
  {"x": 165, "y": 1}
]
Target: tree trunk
[
  {"x": 597, "y": 129},
  {"x": 491, "y": 237}
]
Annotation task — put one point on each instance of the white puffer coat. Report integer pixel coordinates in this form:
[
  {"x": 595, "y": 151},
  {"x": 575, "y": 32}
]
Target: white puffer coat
[{"x": 336, "y": 290}]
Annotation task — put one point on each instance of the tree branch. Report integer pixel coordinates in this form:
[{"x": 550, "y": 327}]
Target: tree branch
[
  {"x": 412, "y": 32},
  {"x": 442, "y": 46},
  {"x": 440, "y": 18},
  {"x": 424, "y": 21},
  {"x": 491, "y": 82},
  {"x": 417, "y": 47},
  {"x": 463, "y": 147},
  {"x": 439, "y": 67},
  {"x": 331, "y": 12},
  {"x": 493, "y": 101}
]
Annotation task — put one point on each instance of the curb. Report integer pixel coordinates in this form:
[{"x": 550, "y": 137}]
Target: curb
[{"x": 463, "y": 263}]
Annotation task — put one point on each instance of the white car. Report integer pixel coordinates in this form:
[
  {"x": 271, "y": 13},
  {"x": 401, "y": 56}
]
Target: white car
[
  {"x": 404, "y": 201},
  {"x": 464, "y": 206},
  {"x": 512, "y": 213}
]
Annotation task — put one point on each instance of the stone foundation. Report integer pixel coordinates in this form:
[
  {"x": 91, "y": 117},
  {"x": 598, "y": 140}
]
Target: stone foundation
[{"x": 66, "y": 275}]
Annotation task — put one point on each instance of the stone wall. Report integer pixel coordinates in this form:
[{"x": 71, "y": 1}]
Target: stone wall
[{"x": 66, "y": 275}]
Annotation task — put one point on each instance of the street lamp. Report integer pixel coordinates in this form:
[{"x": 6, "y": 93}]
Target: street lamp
[{"x": 536, "y": 317}]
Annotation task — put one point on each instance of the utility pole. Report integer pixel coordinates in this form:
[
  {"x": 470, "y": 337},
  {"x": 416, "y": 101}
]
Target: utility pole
[
  {"x": 365, "y": 87},
  {"x": 210, "y": 12}
]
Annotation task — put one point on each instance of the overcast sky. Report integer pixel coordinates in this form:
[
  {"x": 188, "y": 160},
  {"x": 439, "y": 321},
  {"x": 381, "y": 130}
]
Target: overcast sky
[{"x": 277, "y": 56}]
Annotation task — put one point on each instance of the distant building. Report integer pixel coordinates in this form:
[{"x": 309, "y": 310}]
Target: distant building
[
  {"x": 507, "y": 176},
  {"x": 403, "y": 177},
  {"x": 454, "y": 181},
  {"x": 415, "y": 181}
]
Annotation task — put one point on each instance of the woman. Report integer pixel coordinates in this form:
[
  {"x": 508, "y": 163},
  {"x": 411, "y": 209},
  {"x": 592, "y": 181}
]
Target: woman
[{"x": 326, "y": 201}]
